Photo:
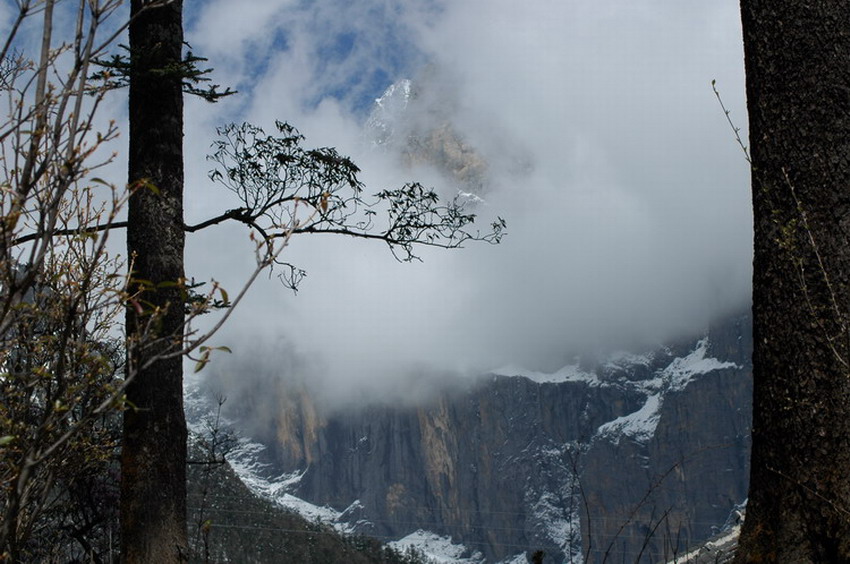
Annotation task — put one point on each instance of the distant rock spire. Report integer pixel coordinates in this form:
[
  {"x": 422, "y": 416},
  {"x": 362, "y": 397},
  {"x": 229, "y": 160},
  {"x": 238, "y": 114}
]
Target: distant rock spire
[{"x": 420, "y": 130}]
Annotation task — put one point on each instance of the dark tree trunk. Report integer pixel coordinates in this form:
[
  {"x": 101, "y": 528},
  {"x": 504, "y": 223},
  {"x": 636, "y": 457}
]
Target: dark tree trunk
[
  {"x": 798, "y": 93},
  {"x": 153, "y": 460}
]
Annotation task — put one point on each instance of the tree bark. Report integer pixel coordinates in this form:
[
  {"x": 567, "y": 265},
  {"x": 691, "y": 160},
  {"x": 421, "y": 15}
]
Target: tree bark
[
  {"x": 797, "y": 57},
  {"x": 153, "y": 459}
]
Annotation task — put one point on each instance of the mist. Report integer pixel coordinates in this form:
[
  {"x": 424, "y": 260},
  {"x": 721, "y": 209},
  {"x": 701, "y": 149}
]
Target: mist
[{"x": 626, "y": 196}]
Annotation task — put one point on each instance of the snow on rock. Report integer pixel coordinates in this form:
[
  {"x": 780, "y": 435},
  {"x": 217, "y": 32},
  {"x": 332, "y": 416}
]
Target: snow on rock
[
  {"x": 621, "y": 359},
  {"x": 440, "y": 550},
  {"x": 718, "y": 549},
  {"x": 246, "y": 460},
  {"x": 561, "y": 526},
  {"x": 646, "y": 379},
  {"x": 674, "y": 377},
  {"x": 680, "y": 372},
  {"x": 569, "y": 373},
  {"x": 388, "y": 110},
  {"x": 243, "y": 460},
  {"x": 640, "y": 425}
]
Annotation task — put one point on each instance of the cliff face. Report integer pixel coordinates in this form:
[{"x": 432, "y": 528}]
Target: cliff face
[
  {"x": 470, "y": 465},
  {"x": 591, "y": 459},
  {"x": 678, "y": 485}
]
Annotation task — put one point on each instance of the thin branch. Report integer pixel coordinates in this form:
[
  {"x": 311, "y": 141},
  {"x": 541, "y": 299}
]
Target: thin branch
[
  {"x": 735, "y": 129},
  {"x": 239, "y": 214},
  {"x": 839, "y": 316},
  {"x": 71, "y": 232},
  {"x": 817, "y": 494}
]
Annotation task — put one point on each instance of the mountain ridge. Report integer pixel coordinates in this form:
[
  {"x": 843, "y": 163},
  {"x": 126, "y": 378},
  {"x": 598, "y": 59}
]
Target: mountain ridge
[{"x": 505, "y": 465}]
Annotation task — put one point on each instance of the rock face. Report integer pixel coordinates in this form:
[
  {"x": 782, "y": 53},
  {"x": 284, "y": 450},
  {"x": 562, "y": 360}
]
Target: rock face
[
  {"x": 414, "y": 120},
  {"x": 636, "y": 457},
  {"x": 678, "y": 487}
]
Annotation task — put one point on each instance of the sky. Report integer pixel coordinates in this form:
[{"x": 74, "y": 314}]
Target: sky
[{"x": 629, "y": 221}]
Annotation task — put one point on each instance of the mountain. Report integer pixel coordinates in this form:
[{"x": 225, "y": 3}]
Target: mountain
[
  {"x": 228, "y": 521},
  {"x": 414, "y": 121},
  {"x": 633, "y": 456}
]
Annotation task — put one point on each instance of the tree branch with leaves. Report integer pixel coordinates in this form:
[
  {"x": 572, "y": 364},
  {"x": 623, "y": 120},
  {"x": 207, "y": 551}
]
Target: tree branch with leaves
[{"x": 64, "y": 294}]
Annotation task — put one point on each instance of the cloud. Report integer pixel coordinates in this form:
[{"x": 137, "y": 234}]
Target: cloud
[{"x": 629, "y": 223}]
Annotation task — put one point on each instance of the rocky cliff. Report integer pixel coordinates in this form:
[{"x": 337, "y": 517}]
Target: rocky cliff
[{"x": 636, "y": 456}]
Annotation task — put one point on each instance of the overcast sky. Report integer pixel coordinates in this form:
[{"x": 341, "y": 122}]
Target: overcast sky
[{"x": 631, "y": 221}]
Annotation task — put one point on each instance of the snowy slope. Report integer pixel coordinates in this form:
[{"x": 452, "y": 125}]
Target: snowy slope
[{"x": 641, "y": 424}]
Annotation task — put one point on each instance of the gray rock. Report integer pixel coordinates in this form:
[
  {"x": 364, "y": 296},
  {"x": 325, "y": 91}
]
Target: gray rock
[{"x": 643, "y": 457}]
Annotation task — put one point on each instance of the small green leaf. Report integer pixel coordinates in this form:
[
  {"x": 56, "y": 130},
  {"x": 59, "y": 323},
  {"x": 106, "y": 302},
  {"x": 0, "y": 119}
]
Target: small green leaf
[
  {"x": 205, "y": 358},
  {"x": 146, "y": 184},
  {"x": 6, "y": 440}
]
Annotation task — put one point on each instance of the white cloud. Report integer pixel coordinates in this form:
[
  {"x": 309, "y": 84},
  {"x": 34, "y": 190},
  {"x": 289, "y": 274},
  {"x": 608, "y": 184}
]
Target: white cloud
[{"x": 633, "y": 223}]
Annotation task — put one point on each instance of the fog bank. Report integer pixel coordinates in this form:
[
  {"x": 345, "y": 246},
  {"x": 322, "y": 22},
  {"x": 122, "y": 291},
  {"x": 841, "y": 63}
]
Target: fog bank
[{"x": 606, "y": 151}]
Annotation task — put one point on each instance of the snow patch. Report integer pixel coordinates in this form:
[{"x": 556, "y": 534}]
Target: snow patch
[
  {"x": 388, "y": 110},
  {"x": 440, "y": 550},
  {"x": 681, "y": 371},
  {"x": 398, "y": 92},
  {"x": 711, "y": 548},
  {"x": 245, "y": 459},
  {"x": 561, "y": 526},
  {"x": 569, "y": 373},
  {"x": 622, "y": 359},
  {"x": 641, "y": 424}
]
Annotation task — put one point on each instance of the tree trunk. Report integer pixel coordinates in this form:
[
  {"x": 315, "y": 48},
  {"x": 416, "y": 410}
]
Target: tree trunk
[
  {"x": 797, "y": 58},
  {"x": 153, "y": 459}
]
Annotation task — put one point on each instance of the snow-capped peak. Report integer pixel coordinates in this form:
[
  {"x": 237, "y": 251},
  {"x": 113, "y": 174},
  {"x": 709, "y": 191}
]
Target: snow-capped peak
[{"x": 389, "y": 110}]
